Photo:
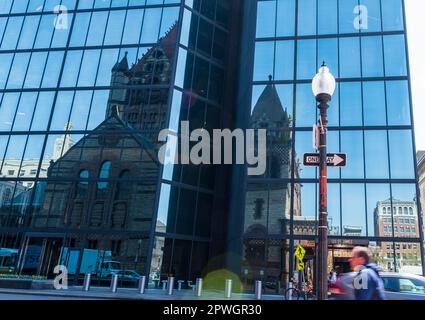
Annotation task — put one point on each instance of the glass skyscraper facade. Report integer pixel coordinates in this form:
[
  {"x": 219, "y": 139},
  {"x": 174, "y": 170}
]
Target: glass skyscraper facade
[
  {"x": 373, "y": 200},
  {"x": 87, "y": 85}
]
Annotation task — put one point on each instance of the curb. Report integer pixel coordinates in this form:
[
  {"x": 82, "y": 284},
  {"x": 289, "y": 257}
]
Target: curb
[{"x": 62, "y": 295}]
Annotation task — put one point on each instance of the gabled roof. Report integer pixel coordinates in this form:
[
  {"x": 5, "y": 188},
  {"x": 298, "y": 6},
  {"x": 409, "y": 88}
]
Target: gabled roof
[
  {"x": 166, "y": 43},
  {"x": 115, "y": 123},
  {"x": 122, "y": 65}
]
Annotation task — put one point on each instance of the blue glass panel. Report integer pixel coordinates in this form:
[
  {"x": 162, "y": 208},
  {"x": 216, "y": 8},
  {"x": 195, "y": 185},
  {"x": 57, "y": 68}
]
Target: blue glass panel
[
  {"x": 307, "y": 17},
  {"x": 328, "y": 16},
  {"x": 285, "y": 18},
  {"x": 374, "y": 103},
  {"x": 353, "y": 210},
  {"x": 328, "y": 51},
  {"x": 349, "y": 51},
  {"x": 395, "y": 56},
  {"x": 352, "y": 145},
  {"x": 398, "y": 103},
  {"x": 375, "y": 194},
  {"x": 264, "y": 58},
  {"x": 266, "y": 19},
  {"x": 392, "y": 15},
  {"x": 376, "y": 155},
  {"x": 306, "y": 59},
  {"x": 372, "y": 60},
  {"x": 351, "y": 104},
  {"x": 306, "y": 110},
  {"x": 284, "y": 66},
  {"x": 401, "y": 154}
]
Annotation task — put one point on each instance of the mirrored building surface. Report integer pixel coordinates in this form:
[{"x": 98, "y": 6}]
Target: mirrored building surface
[
  {"x": 86, "y": 86},
  {"x": 373, "y": 201}
]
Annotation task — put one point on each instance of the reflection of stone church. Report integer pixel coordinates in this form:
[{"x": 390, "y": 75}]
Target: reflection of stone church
[
  {"x": 89, "y": 187},
  {"x": 268, "y": 206}
]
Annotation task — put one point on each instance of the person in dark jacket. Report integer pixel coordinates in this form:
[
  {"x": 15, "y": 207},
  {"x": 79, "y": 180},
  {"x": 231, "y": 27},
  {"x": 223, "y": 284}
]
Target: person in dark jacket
[{"x": 368, "y": 284}]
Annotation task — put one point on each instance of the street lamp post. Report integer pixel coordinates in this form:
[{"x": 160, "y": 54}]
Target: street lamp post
[{"x": 323, "y": 85}]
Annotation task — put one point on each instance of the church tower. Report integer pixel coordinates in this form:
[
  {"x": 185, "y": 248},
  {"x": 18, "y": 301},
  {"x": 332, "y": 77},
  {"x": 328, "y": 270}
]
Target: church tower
[{"x": 118, "y": 97}]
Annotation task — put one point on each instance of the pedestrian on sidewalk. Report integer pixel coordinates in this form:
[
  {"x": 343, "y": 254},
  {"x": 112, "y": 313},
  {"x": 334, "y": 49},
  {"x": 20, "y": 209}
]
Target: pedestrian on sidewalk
[{"x": 368, "y": 284}]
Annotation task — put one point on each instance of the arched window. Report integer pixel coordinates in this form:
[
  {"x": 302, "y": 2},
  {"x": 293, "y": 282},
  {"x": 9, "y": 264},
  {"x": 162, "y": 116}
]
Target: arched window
[
  {"x": 123, "y": 190},
  {"x": 83, "y": 183},
  {"x": 405, "y": 211},
  {"x": 411, "y": 211},
  {"x": 104, "y": 174},
  {"x": 385, "y": 210},
  {"x": 102, "y": 185}
]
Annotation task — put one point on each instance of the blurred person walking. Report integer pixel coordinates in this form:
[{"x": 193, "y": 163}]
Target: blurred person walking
[{"x": 368, "y": 284}]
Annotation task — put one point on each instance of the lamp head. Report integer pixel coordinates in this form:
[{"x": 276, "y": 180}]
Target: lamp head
[{"x": 324, "y": 84}]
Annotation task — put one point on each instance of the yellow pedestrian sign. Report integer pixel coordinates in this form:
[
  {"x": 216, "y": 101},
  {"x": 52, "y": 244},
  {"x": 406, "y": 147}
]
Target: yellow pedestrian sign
[
  {"x": 300, "y": 253},
  {"x": 301, "y": 266}
]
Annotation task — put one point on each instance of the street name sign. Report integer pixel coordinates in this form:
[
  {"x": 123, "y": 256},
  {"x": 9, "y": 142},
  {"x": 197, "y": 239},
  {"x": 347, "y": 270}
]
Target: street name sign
[{"x": 333, "y": 159}]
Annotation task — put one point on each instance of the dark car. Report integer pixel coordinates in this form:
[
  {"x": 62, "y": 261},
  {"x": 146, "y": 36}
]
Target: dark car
[{"x": 128, "y": 275}]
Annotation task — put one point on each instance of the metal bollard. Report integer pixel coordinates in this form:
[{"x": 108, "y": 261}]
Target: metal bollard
[
  {"x": 289, "y": 289},
  {"x": 114, "y": 283},
  {"x": 170, "y": 286},
  {"x": 87, "y": 280},
  {"x": 142, "y": 285},
  {"x": 180, "y": 285},
  {"x": 258, "y": 290},
  {"x": 199, "y": 284},
  {"x": 228, "y": 289}
]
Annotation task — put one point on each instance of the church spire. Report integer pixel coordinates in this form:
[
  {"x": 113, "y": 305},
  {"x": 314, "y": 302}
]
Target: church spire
[{"x": 122, "y": 65}]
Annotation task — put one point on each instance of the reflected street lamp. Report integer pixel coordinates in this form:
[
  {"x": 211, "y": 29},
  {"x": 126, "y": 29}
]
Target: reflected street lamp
[{"x": 323, "y": 85}]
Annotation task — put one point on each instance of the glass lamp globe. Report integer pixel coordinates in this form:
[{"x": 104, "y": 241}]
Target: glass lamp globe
[{"x": 324, "y": 83}]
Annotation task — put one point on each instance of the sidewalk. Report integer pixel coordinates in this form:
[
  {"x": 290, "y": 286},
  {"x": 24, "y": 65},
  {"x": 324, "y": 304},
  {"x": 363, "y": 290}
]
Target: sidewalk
[{"x": 132, "y": 294}]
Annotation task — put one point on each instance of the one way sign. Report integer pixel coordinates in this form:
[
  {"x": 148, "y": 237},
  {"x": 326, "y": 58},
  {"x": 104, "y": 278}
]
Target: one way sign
[{"x": 333, "y": 159}]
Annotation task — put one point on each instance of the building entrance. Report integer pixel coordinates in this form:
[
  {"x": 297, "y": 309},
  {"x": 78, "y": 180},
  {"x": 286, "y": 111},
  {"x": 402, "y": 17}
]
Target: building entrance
[{"x": 39, "y": 255}]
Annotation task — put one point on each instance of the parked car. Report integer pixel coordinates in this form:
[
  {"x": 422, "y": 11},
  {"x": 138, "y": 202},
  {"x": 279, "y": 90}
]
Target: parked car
[
  {"x": 398, "y": 286},
  {"x": 127, "y": 275}
]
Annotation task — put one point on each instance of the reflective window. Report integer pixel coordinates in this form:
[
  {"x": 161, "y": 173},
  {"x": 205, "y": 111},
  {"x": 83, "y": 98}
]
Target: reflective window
[
  {"x": 395, "y": 59},
  {"x": 350, "y": 47},
  {"x": 352, "y": 145},
  {"x": 378, "y": 198},
  {"x": 374, "y": 103},
  {"x": 353, "y": 210},
  {"x": 351, "y": 104},
  {"x": 327, "y": 13},
  {"x": 305, "y": 209},
  {"x": 401, "y": 154},
  {"x": 307, "y": 14},
  {"x": 392, "y": 13},
  {"x": 376, "y": 146}
]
